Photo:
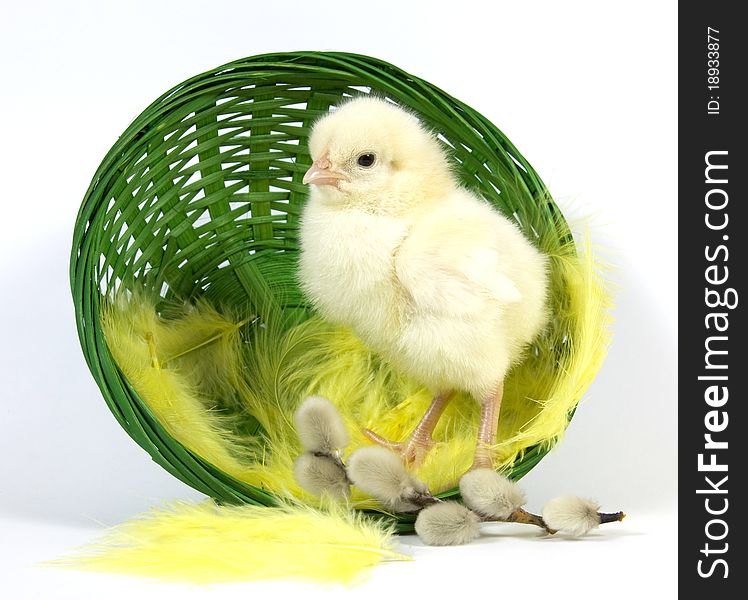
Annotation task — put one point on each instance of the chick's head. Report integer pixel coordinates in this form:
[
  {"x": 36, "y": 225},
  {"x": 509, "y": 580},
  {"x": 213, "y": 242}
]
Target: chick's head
[{"x": 373, "y": 154}]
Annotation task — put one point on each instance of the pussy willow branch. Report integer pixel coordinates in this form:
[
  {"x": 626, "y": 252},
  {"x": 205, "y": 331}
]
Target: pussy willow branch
[{"x": 520, "y": 515}]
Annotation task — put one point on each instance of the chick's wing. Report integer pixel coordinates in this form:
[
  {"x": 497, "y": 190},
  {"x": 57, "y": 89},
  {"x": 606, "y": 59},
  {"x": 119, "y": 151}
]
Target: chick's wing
[{"x": 453, "y": 266}]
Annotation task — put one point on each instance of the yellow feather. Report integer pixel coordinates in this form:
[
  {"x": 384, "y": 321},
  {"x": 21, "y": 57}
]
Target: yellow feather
[
  {"x": 205, "y": 543},
  {"x": 203, "y": 382},
  {"x": 142, "y": 343},
  {"x": 210, "y": 377}
]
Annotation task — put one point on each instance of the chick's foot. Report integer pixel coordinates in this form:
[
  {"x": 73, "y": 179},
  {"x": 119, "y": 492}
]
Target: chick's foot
[{"x": 413, "y": 451}]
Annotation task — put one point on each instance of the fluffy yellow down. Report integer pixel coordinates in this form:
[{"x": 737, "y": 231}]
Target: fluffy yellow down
[{"x": 204, "y": 543}]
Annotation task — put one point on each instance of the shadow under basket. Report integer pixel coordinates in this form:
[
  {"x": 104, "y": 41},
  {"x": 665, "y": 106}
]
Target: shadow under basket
[{"x": 200, "y": 197}]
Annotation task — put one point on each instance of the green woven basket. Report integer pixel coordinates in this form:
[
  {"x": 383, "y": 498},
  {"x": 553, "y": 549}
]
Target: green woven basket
[{"x": 201, "y": 196}]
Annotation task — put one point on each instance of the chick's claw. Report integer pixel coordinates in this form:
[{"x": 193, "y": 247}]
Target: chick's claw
[{"x": 413, "y": 451}]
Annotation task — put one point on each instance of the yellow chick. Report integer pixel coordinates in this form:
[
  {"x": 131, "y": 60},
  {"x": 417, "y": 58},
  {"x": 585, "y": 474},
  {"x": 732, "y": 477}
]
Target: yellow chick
[{"x": 429, "y": 275}]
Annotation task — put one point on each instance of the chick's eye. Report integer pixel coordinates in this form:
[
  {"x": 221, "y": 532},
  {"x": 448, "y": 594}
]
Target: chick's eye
[{"x": 366, "y": 160}]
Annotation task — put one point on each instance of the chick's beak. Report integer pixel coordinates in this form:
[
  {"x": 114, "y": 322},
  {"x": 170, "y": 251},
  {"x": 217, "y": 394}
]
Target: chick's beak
[{"x": 321, "y": 173}]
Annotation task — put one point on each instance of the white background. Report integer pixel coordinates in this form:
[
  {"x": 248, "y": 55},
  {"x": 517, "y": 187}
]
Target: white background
[{"x": 586, "y": 90}]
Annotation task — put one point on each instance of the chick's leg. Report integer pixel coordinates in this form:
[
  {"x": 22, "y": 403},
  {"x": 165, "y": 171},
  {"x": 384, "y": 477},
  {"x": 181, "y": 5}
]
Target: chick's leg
[
  {"x": 489, "y": 425},
  {"x": 415, "y": 448}
]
